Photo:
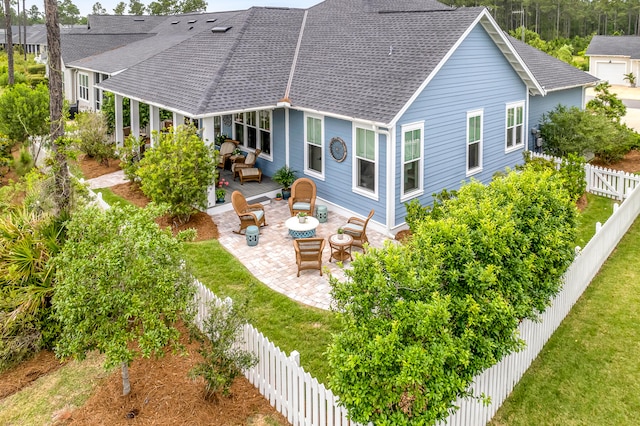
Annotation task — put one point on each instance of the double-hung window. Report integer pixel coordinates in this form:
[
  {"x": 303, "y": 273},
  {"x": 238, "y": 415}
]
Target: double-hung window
[
  {"x": 474, "y": 142},
  {"x": 83, "y": 86},
  {"x": 365, "y": 161},
  {"x": 313, "y": 146},
  {"x": 412, "y": 148},
  {"x": 253, "y": 130},
  {"x": 515, "y": 126}
]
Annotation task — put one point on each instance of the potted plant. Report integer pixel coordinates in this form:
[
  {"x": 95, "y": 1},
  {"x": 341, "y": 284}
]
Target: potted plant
[
  {"x": 340, "y": 233},
  {"x": 631, "y": 78},
  {"x": 278, "y": 196},
  {"x": 219, "y": 140},
  {"x": 285, "y": 176},
  {"x": 302, "y": 217},
  {"x": 221, "y": 191}
]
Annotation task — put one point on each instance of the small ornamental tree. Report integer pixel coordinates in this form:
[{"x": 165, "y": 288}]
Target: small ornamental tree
[
  {"x": 178, "y": 171},
  {"x": 420, "y": 320},
  {"x": 607, "y": 103},
  {"x": 24, "y": 112},
  {"x": 92, "y": 138},
  {"x": 121, "y": 287}
]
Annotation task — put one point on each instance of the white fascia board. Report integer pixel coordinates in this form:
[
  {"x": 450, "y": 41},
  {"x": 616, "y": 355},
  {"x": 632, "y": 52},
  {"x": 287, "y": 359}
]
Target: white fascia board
[{"x": 341, "y": 117}]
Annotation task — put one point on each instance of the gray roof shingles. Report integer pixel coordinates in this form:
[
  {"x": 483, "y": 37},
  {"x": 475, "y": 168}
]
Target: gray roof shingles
[{"x": 614, "y": 46}]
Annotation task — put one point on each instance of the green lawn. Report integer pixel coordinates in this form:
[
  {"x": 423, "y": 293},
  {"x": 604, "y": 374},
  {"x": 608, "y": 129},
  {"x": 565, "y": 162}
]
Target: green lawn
[
  {"x": 589, "y": 371},
  {"x": 598, "y": 210}
]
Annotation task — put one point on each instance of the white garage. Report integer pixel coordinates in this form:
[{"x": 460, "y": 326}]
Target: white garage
[
  {"x": 612, "y": 72},
  {"x": 611, "y": 57}
]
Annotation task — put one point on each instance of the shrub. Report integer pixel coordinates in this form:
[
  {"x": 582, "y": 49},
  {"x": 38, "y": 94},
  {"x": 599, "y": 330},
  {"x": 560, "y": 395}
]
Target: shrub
[
  {"x": 420, "y": 320},
  {"x": 223, "y": 360},
  {"x": 24, "y": 163},
  {"x": 24, "y": 112},
  {"x": 607, "y": 103},
  {"x": 178, "y": 171},
  {"x": 18, "y": 78},
  {"x": 36, "y": 69},
  {"x": 130, "y": 155},
  {"x": 92, "y": 137},
  {"x": 570, "y": 172}
]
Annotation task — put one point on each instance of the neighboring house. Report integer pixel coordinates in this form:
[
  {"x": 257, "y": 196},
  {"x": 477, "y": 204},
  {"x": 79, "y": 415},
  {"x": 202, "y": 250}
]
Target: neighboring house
[
  {"x": 611, "y": 57},
  {"x": 36, "y": 37},
  {"x": 423, "y": 95}
]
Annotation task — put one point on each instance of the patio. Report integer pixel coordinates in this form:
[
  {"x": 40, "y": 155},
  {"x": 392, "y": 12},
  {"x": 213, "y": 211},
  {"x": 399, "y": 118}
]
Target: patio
[{"x": 273, "y": 260}]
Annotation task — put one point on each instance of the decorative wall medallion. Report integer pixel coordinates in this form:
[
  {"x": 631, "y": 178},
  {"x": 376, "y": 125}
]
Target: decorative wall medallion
[
  {"x": 226, "y": 120},
  {"x": 338, "y": 149}
]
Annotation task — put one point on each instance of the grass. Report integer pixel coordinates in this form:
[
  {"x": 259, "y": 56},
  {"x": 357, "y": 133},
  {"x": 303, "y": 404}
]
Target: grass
[
  {"x": 589, "y": 371},
  {"x": 598, "y": 210},
  {"x": 288, "y": 324},
  {"x": 112, "y": 199},
  {"x": 69, "y": 386}
]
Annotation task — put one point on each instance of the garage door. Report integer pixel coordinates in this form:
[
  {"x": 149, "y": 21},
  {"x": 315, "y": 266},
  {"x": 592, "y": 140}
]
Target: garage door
[{"x": 613, "y": 73}]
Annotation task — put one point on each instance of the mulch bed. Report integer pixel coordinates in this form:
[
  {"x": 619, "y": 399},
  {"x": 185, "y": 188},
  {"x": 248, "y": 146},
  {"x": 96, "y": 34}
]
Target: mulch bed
[{"x": 41, "y": 364}]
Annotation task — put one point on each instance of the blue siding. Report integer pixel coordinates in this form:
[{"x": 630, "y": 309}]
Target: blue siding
[
  {"x": 476, "y": 76},
  {"x": 278, "y": 144},
  {"x": 539, "y": 105},
  {"x": 336, "y": 186}
]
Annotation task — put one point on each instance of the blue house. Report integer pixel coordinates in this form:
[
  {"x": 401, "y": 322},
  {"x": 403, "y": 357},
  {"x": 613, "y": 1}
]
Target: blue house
[{"x": 378, "y": 101}]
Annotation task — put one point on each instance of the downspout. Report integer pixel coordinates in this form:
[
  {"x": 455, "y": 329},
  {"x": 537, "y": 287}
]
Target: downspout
[
  {"x": 390, "y": 166},
  {"x": 526, "y": 129}
]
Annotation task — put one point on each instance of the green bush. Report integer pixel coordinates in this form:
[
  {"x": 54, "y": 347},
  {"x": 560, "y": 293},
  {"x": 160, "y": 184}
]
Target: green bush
[
  {"x": 35, "y": 80},
  {"x": 24, "y": 163},
  {"x": 130, "y": 155},
  {"x": 92, "y": 138},
  {"x": 24, "y": 112},
  {"x": 18, "y": 78},
  {"x": 178, "y": 171},
  {"x": 420, "y": 320},
  {"x": 571, "y": 172},
  {"x": 607, "y": 103},
  {"x": 36, "y": 69}
]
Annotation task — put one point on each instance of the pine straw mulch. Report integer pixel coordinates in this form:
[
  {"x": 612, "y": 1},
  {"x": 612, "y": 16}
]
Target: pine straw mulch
[{"x": 41, "y": 364}]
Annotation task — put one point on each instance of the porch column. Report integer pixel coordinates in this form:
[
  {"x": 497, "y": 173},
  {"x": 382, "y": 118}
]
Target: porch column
[
  {"x": 154, "y": 122},
  {"x": 119, "y": 130},
  {"x": 135, "y": 118},
  {"x": 208, "y": 130},
  {"x": 178, "y": 120}
]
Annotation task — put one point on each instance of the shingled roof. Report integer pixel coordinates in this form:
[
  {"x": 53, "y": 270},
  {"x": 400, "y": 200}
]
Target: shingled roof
[
  {"x": 551, "y": 73},
  {"x": 76, "y": 46},
  {"x": 628, "y": 46}
]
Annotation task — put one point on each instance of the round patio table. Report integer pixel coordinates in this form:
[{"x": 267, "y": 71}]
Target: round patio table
[
  {"x": 340, "y": 247},
  {"x": 302, "y": 230}
]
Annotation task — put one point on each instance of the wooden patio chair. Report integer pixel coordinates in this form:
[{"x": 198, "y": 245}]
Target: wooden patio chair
[
  {"x": 226, "y": 150},
  {"x": 357, "y": 228},
  {"x": 309, "y": 253},
  {"x": 249, "y": 214},
  {"x": 249, "y": 163},
  {"x": 303, "y": 197}
]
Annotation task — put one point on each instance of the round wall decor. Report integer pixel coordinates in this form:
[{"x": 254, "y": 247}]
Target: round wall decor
[{"x": 338, "y": 149}]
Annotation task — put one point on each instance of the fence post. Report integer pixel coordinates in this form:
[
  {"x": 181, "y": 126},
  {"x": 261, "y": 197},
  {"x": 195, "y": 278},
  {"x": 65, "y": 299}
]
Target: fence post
[
  {"x": 598, "y": 227},
  {"x": 620, "y": 185},
  {"x": 587, "y": 176}
]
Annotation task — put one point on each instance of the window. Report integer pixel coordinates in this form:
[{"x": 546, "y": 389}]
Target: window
[
  {"x": 217, "y": 125},
  {"x": 515, "y": 126},
  {"x": 83, "y": 86},
  {"x": 313, "y": 145},
  {"x": 253, "y": 130},
  {"x": 412, "y": 143},
  {"x": 474, "y": 142},
  {"x": 365, "y": 160},
  {"x": 97, "y": 78}
]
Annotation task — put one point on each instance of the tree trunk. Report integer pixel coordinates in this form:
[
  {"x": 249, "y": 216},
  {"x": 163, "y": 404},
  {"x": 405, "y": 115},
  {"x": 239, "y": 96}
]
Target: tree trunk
[
  {"x": 24, "y": 26},
  {"x": 9, "y": 40},
  {"x": 126, "y": 385},
  {"x": 62, "y": 185}
]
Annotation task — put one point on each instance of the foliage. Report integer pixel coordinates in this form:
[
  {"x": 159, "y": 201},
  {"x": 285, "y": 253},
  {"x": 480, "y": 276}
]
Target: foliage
[
  {"x": 223, "y": 359},
  {"x": 24, "y": 112},
  {"x": 18, "y": 78},
  {"x": 24, "y": 163},
  {"x": 109, "y": 110},
  {"x": 221, "y": 189},
  {"x": 571, "y": 130},
  {"x": 571, "y": 172},
  {"x": 420, "y": 320},
  {"x": 416, "y": 212},
  {"x": 173, "y": 7},
  {"x": 121, "y": 286},
  {"x": 284, "y": 176},
  {"x": 130, "y": 155},
  {"x": 607, "y": 103},
  {"x": 92, "y": 138},
  {"x": 631, "y": 78},
  {"x": 178, "y": 171}
]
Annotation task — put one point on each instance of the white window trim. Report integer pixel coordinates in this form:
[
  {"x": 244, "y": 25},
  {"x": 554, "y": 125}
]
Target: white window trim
[
  {"x": 354, "y": 161},
  {"x": 478, "y": 169},
  {"x": 420, "y": 190},
  {"x": 307, "y": 170},
  {"x": 243, "y": 143},
  {"x": 506, "y": 119},
  {"x": 81, "y": 76}
]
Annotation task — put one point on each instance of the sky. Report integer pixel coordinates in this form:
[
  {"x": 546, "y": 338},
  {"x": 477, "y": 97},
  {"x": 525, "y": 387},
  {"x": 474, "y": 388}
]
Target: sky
[{"x": 86, "y": 6}]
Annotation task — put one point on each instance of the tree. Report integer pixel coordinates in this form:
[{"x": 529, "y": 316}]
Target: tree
[
  {"x": 163, "y": 7},
  {"x": 121, "y": 287},
  {"x": 62, "y": 183},
  {"x": 607, "y": 103},
  {"x": 97, "y": 9},
  {"x": 69, "y": 13},
  {"x": 420, "y": 320},
  {"x": 136, "y": 7},
  {"x": 189, "y": 6},
  {"x": 92, "y": 138},
  {"x": 35, "y": 17},
  {"x": 9, "y": 40},
  {"x": 120, "y": 8},
  {"x": 24, "y": 112},
  {"x": 178, "y": 171}
]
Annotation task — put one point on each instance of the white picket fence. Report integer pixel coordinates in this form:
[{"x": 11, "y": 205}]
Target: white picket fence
[
  {"x": 602, "y": 181},
  {"x": 304, "y": 401}
]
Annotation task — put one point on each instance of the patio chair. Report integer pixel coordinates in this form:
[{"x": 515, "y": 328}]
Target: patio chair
[
  {"x": 309, "y": 253},
  {"x": 357, "y": 228},
  {"x": 226, "y": 150},
  {"x": 303, "y": 197},
  {"x": 249, "y": 214},
  {"x": 249, "y": 163}
]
